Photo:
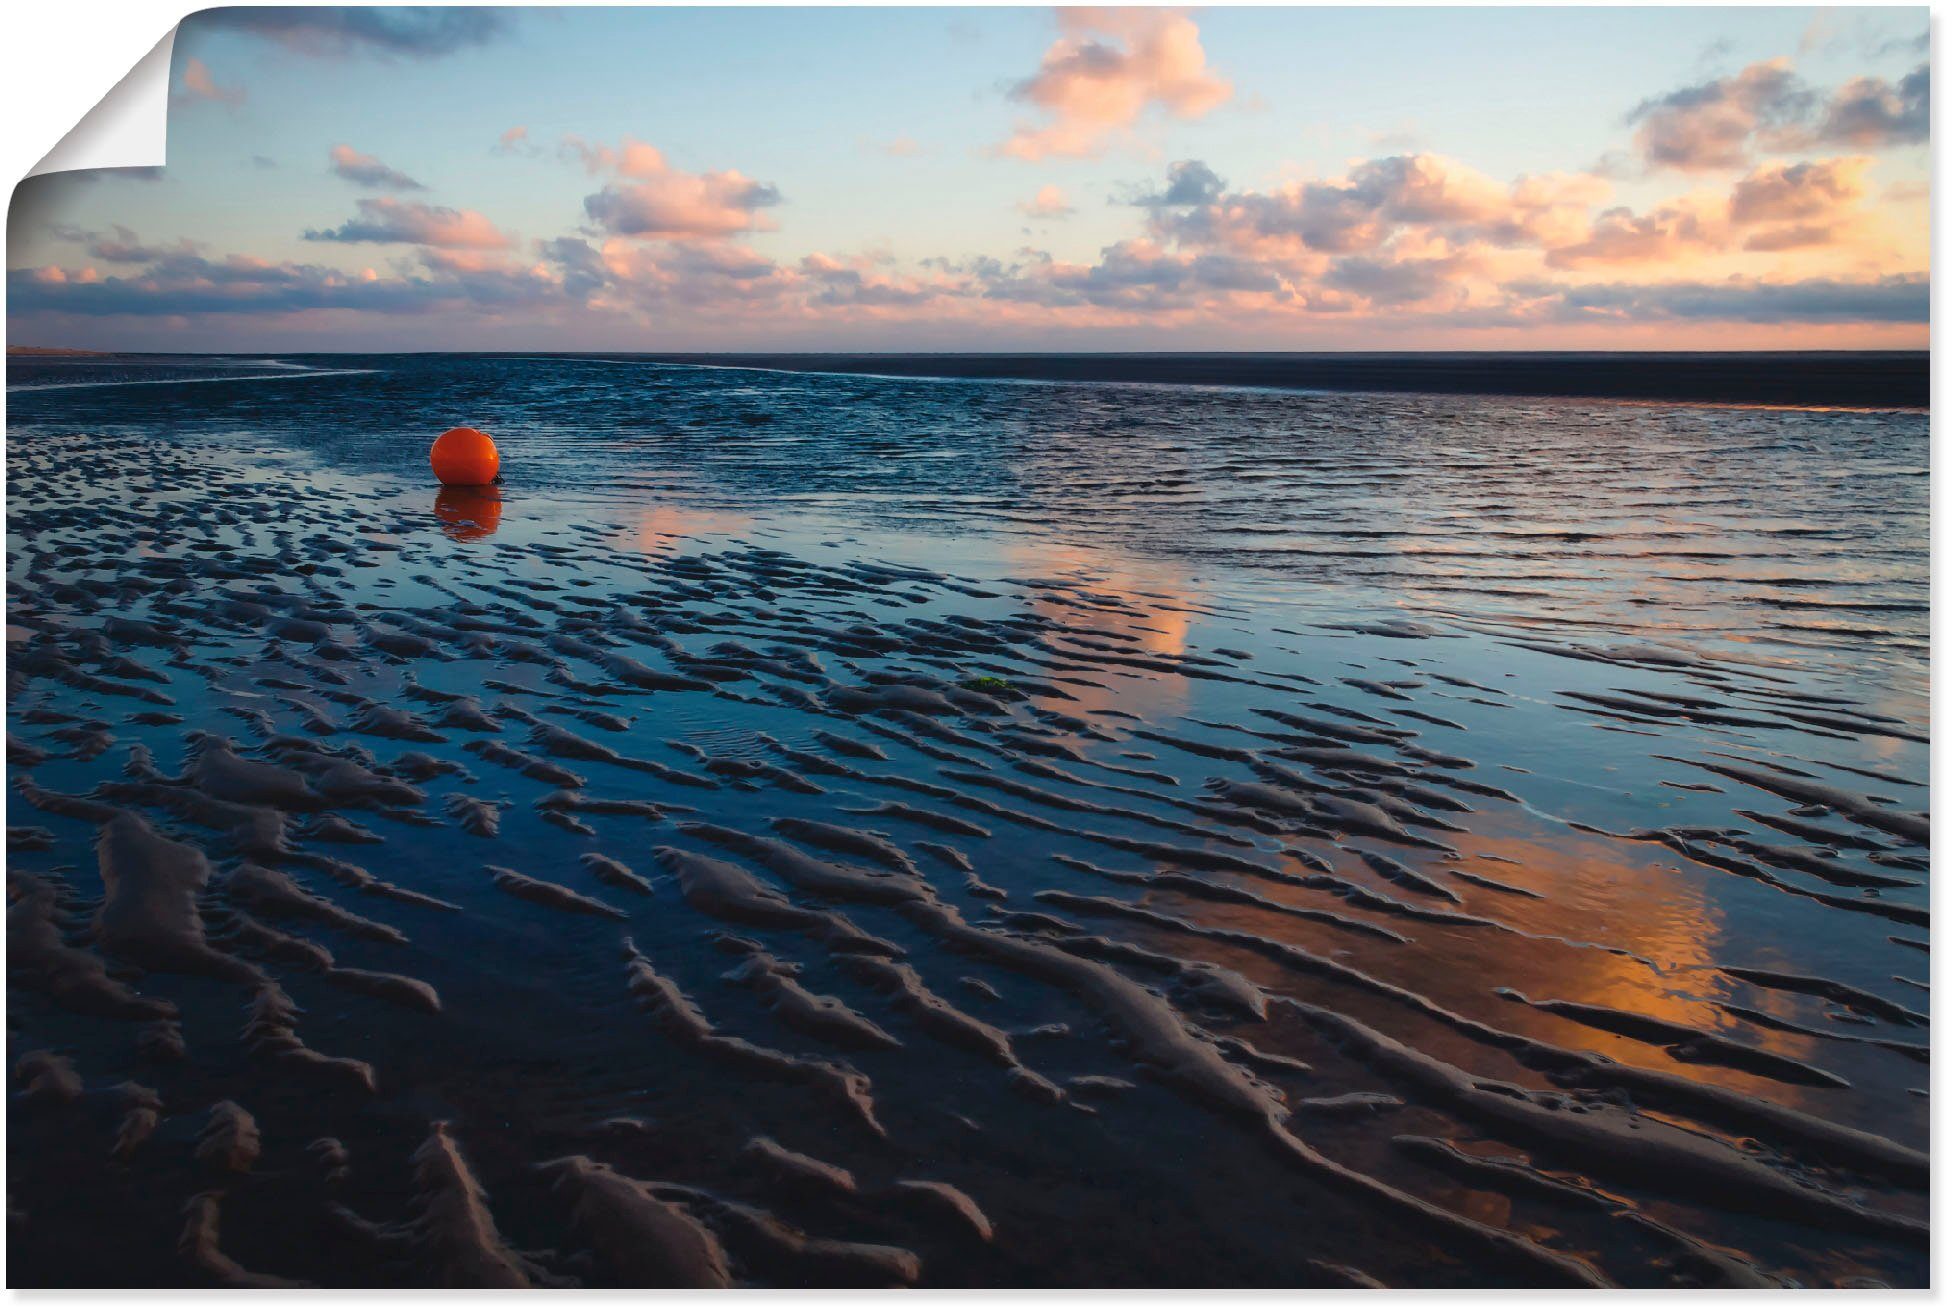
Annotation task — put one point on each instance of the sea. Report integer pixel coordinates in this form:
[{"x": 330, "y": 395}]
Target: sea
[{"x": 1594, "y": 690}]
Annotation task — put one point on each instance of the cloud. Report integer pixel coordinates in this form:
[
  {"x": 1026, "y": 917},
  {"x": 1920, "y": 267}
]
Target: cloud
[
  {"x": 1049, "y": 202},
  {"x": 192, "y": 285},
  {"x": 1904, "y": 298},
  {"x": 1136, "y": 275},
  {"x": 1775, "y": 207},
  {"x": 712, "y": 278},
  {"x": 515, "y": 141},
  {"x": 1106, "y": 69},
  {"x": 1781, "y": 192},
  {"x": 1710, "y": 125},
  {"x": 1394, "y": 283},
  {"x": 1791, "y": 236},
  {"x": 423, "y": 32},
  {"x": 902, "y": 147},
  {"x": 1356, "y": 213},
  {"x": 860, "y": 283},
  {"x": 1140, "y": 284},
  {"x": 1548, "y": 209},
  {"x": 386, "y": 220},
  {"x": 365, "y": 170},
  {"x": 122, "y": 246},
  {"x": 1664, "y": 235},
  {"x": 1802, "y": 205},
  {"x": 581, "y": 269},
  {"x": 197, "y": 84},
  {"x": 1188, "y": 182},
  {"x": 1720, "y": 124},
  {"x": 1406, "y": 247},
  {"x": 655, "y": 200},
  {"x": 1868, "y": 112}
]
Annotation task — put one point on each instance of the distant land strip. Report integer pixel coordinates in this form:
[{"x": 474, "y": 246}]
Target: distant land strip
[{"x": 1895, "y": 379}]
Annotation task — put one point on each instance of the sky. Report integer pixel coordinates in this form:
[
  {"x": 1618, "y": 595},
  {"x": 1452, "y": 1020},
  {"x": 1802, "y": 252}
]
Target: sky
[{"x": 1007, "y": 179}]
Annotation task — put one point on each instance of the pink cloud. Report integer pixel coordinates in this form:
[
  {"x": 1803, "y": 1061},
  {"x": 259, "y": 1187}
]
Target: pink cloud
[
  {"x": 656, "y": 200},
  {"x": 514, "y": 141},
  {"x": 366, "y": 170},
  {"x": 1800, "y": 206},
  {"x": 1049, "y": 202},
  {"x": 1104, "y": 71},
  {"x": 1664, "y": 235},
  {"x": 386, "y": 220},
  {"x": 1867, "y": 112},
  {"x": 1373, "y": 204},
  {"x": 197, "y": 84},
  {"x": 1766, "y": 107},
  {"x": 1710, "y": 126},
  {"x": 1782, "y": 192}
]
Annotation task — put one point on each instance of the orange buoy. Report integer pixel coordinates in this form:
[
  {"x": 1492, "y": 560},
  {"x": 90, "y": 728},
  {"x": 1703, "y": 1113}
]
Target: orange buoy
[{"x": 464, "y": 456}]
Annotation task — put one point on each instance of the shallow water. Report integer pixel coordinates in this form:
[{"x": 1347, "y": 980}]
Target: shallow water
[{"x": 1464, "y": 734}]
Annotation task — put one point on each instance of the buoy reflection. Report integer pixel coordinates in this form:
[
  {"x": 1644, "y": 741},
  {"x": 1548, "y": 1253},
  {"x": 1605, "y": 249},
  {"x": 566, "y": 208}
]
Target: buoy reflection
[{"x": 469, "y": 513}]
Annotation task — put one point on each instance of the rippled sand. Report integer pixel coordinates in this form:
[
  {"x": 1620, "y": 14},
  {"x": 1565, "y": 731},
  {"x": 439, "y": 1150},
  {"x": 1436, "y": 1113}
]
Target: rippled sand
[{"x": 782, "y": 885}]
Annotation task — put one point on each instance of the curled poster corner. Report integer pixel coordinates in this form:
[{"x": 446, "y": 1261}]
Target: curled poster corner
[{"x": 127, "y": 128}]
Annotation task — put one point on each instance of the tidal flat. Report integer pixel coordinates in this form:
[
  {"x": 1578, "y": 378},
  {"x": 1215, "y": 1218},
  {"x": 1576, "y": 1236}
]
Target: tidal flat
[{"x": 840, "y": 831}]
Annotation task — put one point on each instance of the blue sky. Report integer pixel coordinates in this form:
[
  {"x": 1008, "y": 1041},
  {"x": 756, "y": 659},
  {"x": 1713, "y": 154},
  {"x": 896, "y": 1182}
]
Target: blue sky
[{"x": 888, "y": 211}]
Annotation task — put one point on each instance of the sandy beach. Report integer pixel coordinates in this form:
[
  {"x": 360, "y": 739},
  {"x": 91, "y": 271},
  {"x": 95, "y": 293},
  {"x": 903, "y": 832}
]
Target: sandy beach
[{"x": 1002, "y": 851}]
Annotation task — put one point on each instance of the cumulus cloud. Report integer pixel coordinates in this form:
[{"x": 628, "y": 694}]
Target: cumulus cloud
[
  {"x": 1774, "y": 207},
  {"x": 865, "y": 283},
  {"x": 198, "y": 84},
  {"x": 414, "y": 32},
  {"x": 1049, "y": 202},
  {"x": 1393, "y": 283},
  {"x": 365, "y": 170},
  {"x": 1710, "y": 125},
  {"x": 1358, "y": 212},
  {"x": 1781, "y": 192},
  {"x": 1721, "y": 124},
  {"x": 1868, "y": 112},
  {"x": 1136, "y": 276},
  {"x": 1549, "y": 208},
  {"x": 653, "y": 199},
  {"x": 1798, "y": 206},
  {"x": 704, "y": 278},
  {"x": 1106, "y": 69},
  {"x": 385, "y": 220},
  {"x": 1665, "y": 234},
  {"x": 1408, "y": 241},
  {"x": 1188, "y": 182},
  {"x": 1135, "y": 282}
]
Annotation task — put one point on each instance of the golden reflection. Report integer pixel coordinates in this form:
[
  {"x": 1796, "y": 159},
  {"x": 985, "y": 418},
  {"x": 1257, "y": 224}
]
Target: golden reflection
[
  {"x": 1148, "y": 607},
  {"x": 1601, "y": 897},
  {"x": 469, "y": 513},
  {"x": 660, "y": 529},
  {"x": 1601, "y": 892}
]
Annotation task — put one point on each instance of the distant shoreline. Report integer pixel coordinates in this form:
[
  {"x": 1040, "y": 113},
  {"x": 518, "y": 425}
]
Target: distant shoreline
[
  {"x": 1845, "y": 379},
  {"x": 1872, "y": 379}
]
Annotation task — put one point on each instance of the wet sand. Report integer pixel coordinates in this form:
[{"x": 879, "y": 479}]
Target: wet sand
[{"x": 459, "y": 890}]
